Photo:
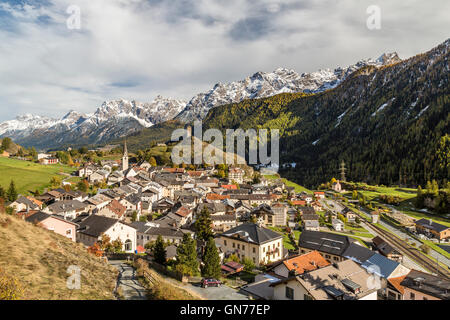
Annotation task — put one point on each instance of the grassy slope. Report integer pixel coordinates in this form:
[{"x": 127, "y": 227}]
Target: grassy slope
[
  {"x": 28, "y": 176},
  {"x": 298, "y": 188},
  {"x": 39, "y": 259}
]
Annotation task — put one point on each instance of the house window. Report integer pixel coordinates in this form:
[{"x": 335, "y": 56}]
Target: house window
[
  {"x": 412, "y": 296},
  {"x": 289, "y": 293},
  {"x": 233, "y": 245},
  {"x": 254, "y": 250},
  {"x": 128, "y": 245},
  {"x": 243, "y": 247},
  {"x": 239, "y": 246},
  {"x": 225, "y": 242}
]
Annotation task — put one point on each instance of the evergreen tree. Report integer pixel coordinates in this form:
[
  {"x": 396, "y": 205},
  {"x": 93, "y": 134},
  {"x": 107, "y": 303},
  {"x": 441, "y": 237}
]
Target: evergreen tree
[
  {"x": 202, "y": 225},
  {"x": 33, "y": 153},
  {"x": 6, "y": 143},
  {"x": 12, "y": 192},
  {"x": 187, "y": 254},
  {"x": 419, "y": 198},
  {"x": 435, "y": 188},
  {"x": 211, "y": 260},
  {"x": 2, "y": 193},
  {"x": 159, "y": 251}
]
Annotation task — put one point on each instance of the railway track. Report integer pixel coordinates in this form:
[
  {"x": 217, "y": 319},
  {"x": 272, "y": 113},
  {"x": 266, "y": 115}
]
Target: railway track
[{"x": 409, "y": 250}]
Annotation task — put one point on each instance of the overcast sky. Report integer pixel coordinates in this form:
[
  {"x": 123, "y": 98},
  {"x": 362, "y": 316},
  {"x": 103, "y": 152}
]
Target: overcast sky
[{"x": 137, "y": 49}]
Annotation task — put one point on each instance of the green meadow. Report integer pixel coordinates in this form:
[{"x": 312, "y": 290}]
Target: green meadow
[
  {"x": 298, "y": 188},
  {"x": 28, "y": 176}
]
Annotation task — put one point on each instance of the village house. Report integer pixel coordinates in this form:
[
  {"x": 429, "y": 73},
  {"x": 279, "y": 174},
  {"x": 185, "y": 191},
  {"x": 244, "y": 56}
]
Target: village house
[
  {"x": 86, "y": 171},
  {"x": 133, "y": 203},
  {"x": 98, "y": 202},
  {"x": 223, "y": 222},
  {"x": 26, "y": 204},
  {"x": 432, "y": 229},
  {"x": 310, "y": 221},
  {"x": 386, "y": 250},
  {"x": 280, "y": 214},
  {"x": 332, "y": 246},
  {"x": 319, "y": 195},
  {"x": 92, "y": 228},
  {"x": 149, "y": 232},
  {"x": 349, "y": 214},
  {"x": 113, "y": 210},
  {"x": 49, "y": 160},
  {"x": 419, "y": 285},
  {"x": 68, "y": 209},
  {"x": 298, "y": 264},
  {"x": 115, "y": 177},
  {"x": 337, "y": 224},
  {"x": 54, "y": 223},
  {"x": 344, "y": 280},
  {"x": 252, "y": 241},
  {"x": 99, "y": 176},
  {"x": 236, "y": 174}
]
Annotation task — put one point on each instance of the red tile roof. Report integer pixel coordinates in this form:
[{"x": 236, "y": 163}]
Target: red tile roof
[
  {"x": 229, "y": 186},
  {"x": 395, "y": 282},
  {"x": 306, "y": 262},
  {"x": 116, "y": 207},
  {"x": 183, "y": 211},
  {"x": 215, "y": 196}
]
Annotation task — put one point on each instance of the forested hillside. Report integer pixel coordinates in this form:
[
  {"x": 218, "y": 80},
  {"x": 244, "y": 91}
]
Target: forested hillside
[{"x": 389, "y": 125}]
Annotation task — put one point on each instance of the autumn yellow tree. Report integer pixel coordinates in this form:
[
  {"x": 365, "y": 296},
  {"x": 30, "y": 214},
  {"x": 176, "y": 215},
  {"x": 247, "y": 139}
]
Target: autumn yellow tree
[{"x": 10, "y": 287}]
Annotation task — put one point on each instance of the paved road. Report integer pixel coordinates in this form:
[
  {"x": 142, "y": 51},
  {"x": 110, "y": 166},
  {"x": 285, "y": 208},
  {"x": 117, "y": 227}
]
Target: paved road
[{"x": 128, "y": 282}]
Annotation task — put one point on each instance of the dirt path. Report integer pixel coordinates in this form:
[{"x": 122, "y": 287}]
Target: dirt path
[{"x": 128, "y": 282}]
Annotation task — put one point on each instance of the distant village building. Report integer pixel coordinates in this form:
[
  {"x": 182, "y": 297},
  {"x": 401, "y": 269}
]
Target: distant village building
[
  {"x": 432, "y": 229},
  {"x": 337, "y": 186},
  {"x": 236, "y": 174},
  {"x": 50, "y": 160}
]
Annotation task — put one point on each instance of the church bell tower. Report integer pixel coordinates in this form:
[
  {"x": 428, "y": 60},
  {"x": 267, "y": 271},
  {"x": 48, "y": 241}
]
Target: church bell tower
[{"x": 125, "y": 157}]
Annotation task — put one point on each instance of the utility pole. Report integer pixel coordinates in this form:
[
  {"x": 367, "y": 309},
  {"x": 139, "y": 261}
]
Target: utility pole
[{"x": 342, "y": 169}]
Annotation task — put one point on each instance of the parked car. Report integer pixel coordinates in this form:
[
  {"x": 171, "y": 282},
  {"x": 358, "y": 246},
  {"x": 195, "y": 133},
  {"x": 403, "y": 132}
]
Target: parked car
[{"x": 211, "y": 283}]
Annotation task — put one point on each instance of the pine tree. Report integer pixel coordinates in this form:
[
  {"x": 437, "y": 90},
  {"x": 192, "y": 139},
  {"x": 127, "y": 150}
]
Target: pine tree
[
  {"x": 12, "y": 192},
  {"x": 2, "y": 193},
  {"x": 187, "y": 254},
  {"x": 211, "y": 260},
  {"x": 202, "y": 225},
  {"x": 419, "y": 198},
  {"x": 159, "y": 251}
]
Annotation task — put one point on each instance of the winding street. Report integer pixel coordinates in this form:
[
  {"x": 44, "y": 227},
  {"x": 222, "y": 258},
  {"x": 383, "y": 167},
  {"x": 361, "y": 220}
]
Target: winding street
[{"x": 128, "y": 282}]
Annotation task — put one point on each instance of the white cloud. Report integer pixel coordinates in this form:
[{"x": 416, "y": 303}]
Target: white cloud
[{"x": 137, "y": 49}]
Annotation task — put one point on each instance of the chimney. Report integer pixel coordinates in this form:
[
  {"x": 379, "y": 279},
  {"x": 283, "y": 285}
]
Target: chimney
[{"x": 431, "y": 222}]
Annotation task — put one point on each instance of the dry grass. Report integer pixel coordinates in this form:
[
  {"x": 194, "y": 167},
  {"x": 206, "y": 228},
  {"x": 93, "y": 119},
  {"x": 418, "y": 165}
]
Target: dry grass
[
  {"x": 39, "y": 259},
  {"x": 158, "y": 287}
]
